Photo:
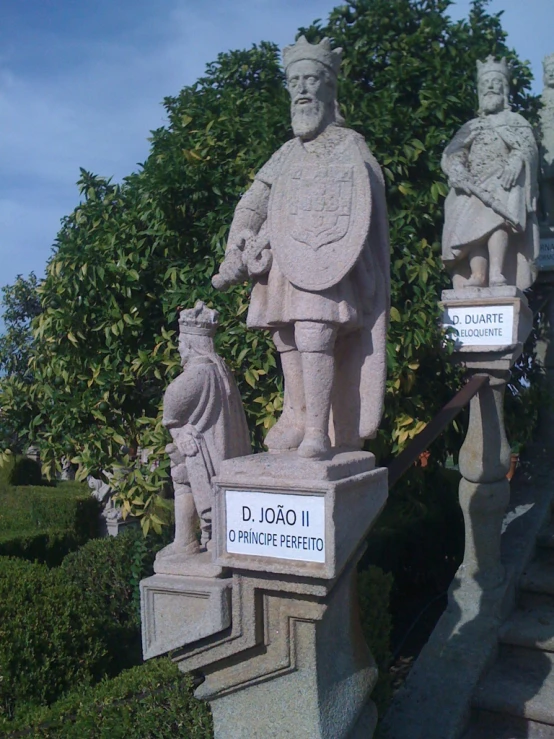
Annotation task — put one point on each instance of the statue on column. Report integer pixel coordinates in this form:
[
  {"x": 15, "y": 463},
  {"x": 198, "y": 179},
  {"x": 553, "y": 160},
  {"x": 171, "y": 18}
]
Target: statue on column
[
  {"x": 312, "y": 234},
  {"x": 203, "y": 412},
  {"x": 547, "y": 144},
  {"x": 491, "y": 235}
]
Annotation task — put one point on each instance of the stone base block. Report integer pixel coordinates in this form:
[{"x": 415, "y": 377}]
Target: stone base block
[
  {"x": 188, "y": 565},
  {"x": 310, "y": 677},
  {"x": 286, "y": 515},
  {"x": 176, "y": 611},
  {"x": 492, "y": 323}
]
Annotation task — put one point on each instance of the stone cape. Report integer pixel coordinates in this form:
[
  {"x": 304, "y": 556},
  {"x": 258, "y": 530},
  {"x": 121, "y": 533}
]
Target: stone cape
[
  {"x": 201, "y": 401},
  {"x": 319, "y": 214},
  {"x": 468, "y": 219},
  {"x": 358, "y": 304}
]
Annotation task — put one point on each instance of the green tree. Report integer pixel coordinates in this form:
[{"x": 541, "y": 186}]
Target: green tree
[
  {"x": 131, "y": 254},
  {"x": 21, "y": 304}
]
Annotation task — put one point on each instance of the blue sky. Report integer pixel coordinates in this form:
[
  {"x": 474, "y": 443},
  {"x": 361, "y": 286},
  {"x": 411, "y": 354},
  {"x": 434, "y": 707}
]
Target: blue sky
[{"x": 81, "y": 85}]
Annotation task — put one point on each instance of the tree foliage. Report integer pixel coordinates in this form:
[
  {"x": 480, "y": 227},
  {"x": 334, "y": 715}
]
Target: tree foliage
[
  {"x": 20, "y": 304},
  {"x": 130, "y": 255}
]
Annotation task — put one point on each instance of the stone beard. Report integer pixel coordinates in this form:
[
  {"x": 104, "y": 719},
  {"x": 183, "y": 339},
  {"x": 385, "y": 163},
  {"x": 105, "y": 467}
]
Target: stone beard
[
  {"x": 490, "y": 235},
  {"x": 316, "y": 218},
  {"x": 546, "y": 136}
]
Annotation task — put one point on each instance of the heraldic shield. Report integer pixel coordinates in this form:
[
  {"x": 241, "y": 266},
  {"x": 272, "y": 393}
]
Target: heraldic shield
[{"x": 319, "y": 214}]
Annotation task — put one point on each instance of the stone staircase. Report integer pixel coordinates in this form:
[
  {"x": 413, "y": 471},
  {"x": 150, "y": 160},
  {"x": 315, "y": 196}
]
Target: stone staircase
[{"x": 515, "y": 698}]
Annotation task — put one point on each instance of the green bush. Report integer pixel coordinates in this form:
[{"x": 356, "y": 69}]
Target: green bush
[
  {"x": 107, "y": 573},
  {"x": 151, "y": 701},
  {"x": 44, "y": 524},
  {"x": 25, "y": 471},
  {"x": 75, "y": 623},
  {"x": 49, "y": 638}
]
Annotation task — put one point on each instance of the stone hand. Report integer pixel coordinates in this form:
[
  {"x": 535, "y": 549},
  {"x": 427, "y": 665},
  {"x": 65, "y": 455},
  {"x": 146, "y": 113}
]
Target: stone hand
[
  {"x": 187, "y": 446},
  {"x": 508, "y": 177},
  {"x": 459, "y": 179},
  {"x": 231, "y": 271},
  {"x": 174, "y": 454}
]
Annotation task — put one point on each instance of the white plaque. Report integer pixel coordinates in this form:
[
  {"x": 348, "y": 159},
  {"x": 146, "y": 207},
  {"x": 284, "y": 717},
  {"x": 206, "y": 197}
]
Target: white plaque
[
  {"x": 480, "y": 325},
  {"x": 275, "y": 525},
  {"x": 546, "y": 254}
]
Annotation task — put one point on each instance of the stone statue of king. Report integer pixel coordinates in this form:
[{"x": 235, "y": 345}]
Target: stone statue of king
[
  {"x": 312, "y": 234},
  {"x": 491, "y": 235}
]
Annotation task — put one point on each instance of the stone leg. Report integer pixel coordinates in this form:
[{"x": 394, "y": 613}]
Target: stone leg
[
  {"x": 185, "y": 524},
  {"x": 478, "y": 263},
  {"x": 498, "y": 248},
  {"x": 288, "y": 432},
  {"x": 484, "y": 490},
  {"x": 316, "y": 342}
]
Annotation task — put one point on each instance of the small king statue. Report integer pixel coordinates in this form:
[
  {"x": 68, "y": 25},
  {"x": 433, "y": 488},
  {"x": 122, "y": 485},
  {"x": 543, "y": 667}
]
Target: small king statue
[{"x": 203, "y": 412}]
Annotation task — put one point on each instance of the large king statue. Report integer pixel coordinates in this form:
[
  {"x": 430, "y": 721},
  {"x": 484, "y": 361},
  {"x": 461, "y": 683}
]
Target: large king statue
[
  {"x": 491, "y": 235},
  {"x": 312, "y": 233}
]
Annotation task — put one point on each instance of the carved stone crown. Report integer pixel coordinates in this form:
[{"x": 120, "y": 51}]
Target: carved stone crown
[
  {"x": 548, "y": 61},
  {"x": 492, "y": 65},
  {"x": 322, "y": 52},
  {"x": 199, "y": 320}
]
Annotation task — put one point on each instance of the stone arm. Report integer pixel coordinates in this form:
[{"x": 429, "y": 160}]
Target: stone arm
[
  {"x": 247, "y": 241},
  {"x": 180, "y": 400},
  {"x": 520, "y": 139}
]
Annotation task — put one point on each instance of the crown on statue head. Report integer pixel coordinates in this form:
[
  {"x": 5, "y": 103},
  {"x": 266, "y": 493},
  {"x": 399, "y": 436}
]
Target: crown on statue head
[
  {"x": 199, "y": 320},
  {"x": 493, "y": 65},
  {"x": 548, "y": 62},
  {"x": 322, "y": 52}
]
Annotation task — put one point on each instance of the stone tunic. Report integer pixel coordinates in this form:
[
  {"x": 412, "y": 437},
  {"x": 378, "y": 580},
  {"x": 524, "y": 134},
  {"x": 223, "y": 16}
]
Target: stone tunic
[
  {"x": 276, "y": 301},
  {"x": 358, "y": 304}
]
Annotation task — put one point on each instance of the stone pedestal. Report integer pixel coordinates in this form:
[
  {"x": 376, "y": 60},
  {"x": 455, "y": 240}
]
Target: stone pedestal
[
  {"x": 492, "y": 324},
  {"x": 277, "y": 634}
]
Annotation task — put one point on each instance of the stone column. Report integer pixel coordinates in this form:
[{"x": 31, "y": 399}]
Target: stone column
[
  {"x": 272, "y": 622},
  {"x": 484, "y": 490},
  {"x": 492, "y": 325}
]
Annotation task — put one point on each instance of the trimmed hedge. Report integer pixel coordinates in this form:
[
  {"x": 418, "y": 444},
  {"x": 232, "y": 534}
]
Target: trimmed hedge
[
  {"x": 45, "y": 523},
  {"x": 75, "y": 623},
  {"x": 49, "y": 638},
  {"x": 153, "y": 700}
]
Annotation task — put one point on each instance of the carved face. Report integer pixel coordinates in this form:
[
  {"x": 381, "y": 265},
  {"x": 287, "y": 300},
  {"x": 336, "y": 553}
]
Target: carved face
[
  {"x": 312, "y": 98},
  {"x": 492, "y": 98},
  {"x": 549, "y": 75},
  {"x": 186, "y": 351}
]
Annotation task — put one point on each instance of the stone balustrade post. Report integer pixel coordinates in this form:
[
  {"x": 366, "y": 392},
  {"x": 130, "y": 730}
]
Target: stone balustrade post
[
  {"x": 484, "y": 490},
  {"x": 492, "y": 326}
]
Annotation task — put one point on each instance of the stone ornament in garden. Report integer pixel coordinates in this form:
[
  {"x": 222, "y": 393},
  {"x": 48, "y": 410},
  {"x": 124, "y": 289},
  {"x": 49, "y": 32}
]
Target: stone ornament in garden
[
  {"x": 203, "y": 412},
  {"x": 491, "y": 235},
  {"x": 312, "y": 234}
]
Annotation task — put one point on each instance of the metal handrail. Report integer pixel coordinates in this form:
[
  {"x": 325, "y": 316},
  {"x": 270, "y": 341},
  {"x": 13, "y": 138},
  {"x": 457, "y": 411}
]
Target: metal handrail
[{"x": 427, "y": 436}]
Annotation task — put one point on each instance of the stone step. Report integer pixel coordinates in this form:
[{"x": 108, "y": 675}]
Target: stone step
[
  {"x": 520, "y": 683},
  {"x": 531, "y": 624},
  {"x": 538, "y": 577},
  {"x": 487, "y": 725}
]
